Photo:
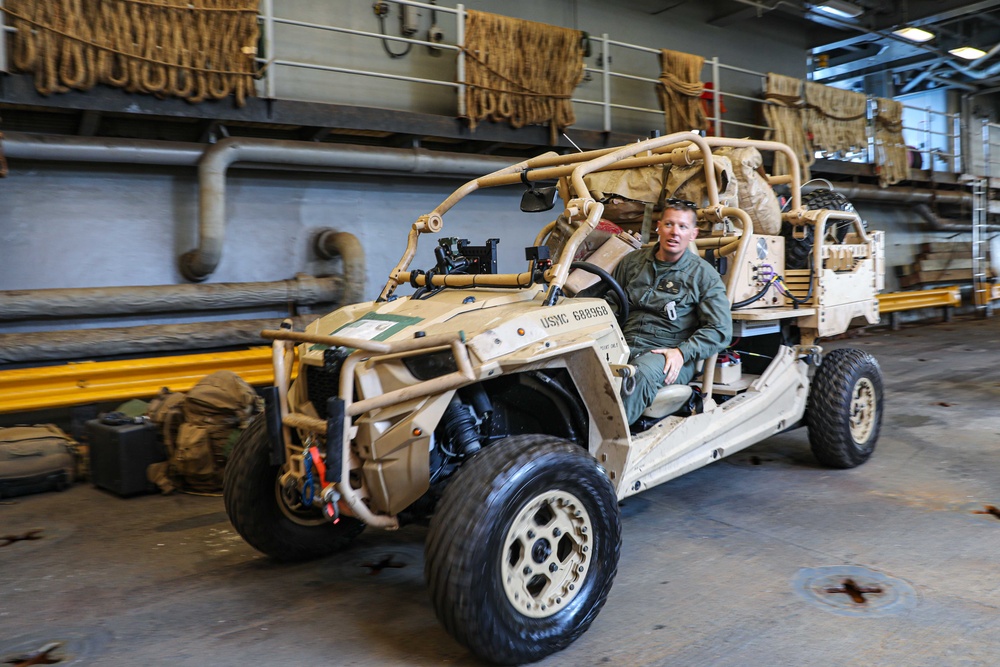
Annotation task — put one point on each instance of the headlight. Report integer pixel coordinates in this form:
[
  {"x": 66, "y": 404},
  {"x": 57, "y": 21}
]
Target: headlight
[{"x": 429, "y": 366}]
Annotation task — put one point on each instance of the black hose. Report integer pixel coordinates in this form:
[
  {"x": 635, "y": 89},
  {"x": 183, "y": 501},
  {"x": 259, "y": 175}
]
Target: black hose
[
  {"x": 755, "y": 297},
  {"x": 576, "y": 432},
  {"x": 460, "y": 426},
  {"x": 385, "y": 45}
]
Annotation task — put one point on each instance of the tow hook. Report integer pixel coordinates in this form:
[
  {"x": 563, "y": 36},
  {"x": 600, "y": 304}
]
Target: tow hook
[
  {"x": 627, "y": 373},
  {"x": 813, "y": 354},
  {"x": 331, "y": 498}
]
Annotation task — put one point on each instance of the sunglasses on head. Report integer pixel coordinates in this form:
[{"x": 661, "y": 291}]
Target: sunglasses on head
[{"x": 673, "y": 202}]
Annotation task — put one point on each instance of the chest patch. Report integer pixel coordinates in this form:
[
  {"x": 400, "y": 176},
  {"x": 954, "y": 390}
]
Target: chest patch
[{"x": 668, "y": 286}]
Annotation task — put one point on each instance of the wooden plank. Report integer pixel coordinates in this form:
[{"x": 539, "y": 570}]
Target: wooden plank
[
  {"x": 943, "y": 264},
  {"x": 921, "y": 277},
  {"x": 946, "y": 246},
  {"x": 944, "y": 255}
]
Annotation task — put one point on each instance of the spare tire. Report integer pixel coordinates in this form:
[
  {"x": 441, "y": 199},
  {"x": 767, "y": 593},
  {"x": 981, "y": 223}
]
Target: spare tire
[{"x": 797, "y": 251}]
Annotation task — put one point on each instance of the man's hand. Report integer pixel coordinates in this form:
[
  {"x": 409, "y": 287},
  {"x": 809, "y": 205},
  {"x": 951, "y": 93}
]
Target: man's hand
[{"x": 673, "y": 360}]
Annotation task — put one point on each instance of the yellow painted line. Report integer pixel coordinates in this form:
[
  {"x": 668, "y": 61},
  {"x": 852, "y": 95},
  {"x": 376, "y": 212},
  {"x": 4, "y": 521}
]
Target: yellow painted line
[
  {"x": 97, "y": 381},
  {"x": 892, "y": 302}
]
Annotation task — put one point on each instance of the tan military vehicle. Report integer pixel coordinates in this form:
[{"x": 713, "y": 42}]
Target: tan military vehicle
[{"x": 490, "y": 403}]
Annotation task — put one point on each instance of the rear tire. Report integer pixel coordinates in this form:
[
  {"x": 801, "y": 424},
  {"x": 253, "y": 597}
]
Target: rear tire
[
  {"x": 523, "y": 548},
  {"x": 845, "y": 408},
  {"x": 260, "y": 513}
]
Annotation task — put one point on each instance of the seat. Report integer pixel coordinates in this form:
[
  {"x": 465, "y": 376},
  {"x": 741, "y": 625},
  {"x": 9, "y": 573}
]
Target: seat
[{"x": 669, "y": 399}]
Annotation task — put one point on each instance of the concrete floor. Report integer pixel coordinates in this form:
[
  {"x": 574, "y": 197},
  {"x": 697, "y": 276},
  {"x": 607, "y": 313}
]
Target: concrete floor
[{"x": 715, "y": 566}]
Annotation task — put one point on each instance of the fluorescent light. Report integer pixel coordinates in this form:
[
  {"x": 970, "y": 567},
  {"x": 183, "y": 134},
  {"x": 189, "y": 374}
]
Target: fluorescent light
[
  {"x": 967, "y": 52},
  {"x": 840, "y": 9},
  {"x": 914, "y": 34}
]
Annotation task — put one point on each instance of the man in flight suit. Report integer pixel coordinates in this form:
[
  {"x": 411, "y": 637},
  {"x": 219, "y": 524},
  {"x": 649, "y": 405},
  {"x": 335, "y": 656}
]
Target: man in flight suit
[{"x": 678, "y": 308}]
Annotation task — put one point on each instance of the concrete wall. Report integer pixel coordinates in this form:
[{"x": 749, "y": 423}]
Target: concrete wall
[{"x": 101, "y": 225}]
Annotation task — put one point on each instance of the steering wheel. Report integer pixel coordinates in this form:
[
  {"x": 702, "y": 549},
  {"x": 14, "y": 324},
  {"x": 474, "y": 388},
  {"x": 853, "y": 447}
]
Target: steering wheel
[{"x": 610, "y": 283}]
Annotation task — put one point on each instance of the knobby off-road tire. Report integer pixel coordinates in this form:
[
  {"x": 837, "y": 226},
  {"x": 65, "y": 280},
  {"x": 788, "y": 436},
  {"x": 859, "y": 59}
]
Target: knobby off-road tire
[
  {"x": 844, "y": 412},
  {"x": 523, "y": 548},
  {"x": 263, "y": 518},
  {"x": 797, "y": 251}
]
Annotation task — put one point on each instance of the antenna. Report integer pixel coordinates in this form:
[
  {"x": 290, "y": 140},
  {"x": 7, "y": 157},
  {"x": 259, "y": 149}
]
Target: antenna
[{"x": 571, "y": 141}]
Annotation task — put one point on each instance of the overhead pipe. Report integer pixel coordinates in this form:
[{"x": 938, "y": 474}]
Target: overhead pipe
[
  {"x": 27, "y": 146},
  {"x": 978, "y": 75},
  {"x": 116, "y": 341},
  {"x": 937, "y": 224},
  {"x": 198, "y": 264},
  {"x": 955, "y": 84},
  {"x": 331, "y": 244},
  {"x": 896, "y": 194},
  {"x": 303, "y": 290}
]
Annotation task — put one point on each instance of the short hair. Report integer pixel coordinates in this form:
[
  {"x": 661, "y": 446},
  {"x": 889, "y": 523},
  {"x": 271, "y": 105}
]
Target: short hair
[{"x": 680, "y": 205}]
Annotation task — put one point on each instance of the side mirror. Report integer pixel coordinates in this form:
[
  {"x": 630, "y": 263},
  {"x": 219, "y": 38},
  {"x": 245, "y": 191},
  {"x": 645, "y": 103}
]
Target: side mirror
[{"x": 539, "y": 200}]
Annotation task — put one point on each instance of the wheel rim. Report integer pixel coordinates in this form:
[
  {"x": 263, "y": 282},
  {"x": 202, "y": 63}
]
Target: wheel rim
[
  {"x": 864, "y": 404},
  {"x": 290, "y": 503},
  {"x": 546, "y": 554}
]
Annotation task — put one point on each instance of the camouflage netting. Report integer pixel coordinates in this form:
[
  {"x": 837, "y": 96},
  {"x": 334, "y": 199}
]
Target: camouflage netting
[
  {"x": 680, "y": 91},
  {"x": 836, "y": 118},
  {"x": 521, "y": 72},
  {"x": 783, "y": 111},
  {"x": 891, "y": 157},
  {"x": 195, "y": 50}
]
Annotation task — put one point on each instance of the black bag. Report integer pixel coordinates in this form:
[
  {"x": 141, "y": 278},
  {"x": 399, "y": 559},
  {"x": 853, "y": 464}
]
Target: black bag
[{"x": 35, "y": 459}]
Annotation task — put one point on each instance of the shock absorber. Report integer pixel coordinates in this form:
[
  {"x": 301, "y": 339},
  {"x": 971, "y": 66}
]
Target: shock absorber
[{"x": 460, "y": 426}]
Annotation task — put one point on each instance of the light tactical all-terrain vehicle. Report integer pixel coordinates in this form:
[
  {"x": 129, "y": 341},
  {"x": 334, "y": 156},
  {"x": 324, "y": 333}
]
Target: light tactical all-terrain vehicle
[{"x": 491, "y": 403}]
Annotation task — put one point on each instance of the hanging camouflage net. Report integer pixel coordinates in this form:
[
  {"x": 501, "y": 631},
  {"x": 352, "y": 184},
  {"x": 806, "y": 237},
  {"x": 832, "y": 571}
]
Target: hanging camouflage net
[
  {"x": 520, "y": 71},
  {"x": 680, "y": 91},
  {"x": 836, "y": 118},
  {"x": 783, "y": 111},
  {"x": 891, "y": 155},
  {"x": 195, "y": 50}
]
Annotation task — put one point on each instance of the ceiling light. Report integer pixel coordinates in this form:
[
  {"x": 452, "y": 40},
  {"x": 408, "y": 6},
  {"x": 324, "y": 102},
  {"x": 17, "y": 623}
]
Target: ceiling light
[
  {"x": 967, "y": 52},
  {"x": 914, "y": 34},
  {"x": 839, "y": 8}
]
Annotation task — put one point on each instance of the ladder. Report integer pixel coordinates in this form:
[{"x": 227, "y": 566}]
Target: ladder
[
  {"x": 980, "y": 278},
  {"x": 981, "y": 288}
]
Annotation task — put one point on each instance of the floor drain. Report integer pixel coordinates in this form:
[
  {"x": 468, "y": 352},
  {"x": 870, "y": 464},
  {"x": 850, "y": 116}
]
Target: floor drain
[
  {"x": 30, "y": 536},
  {"x": 854, "y": 590},
  {"x": 66, "y": 647},
  {"x": 46, "y": 655},
  {"x": 989, "y": 509},
  {"x": 386, "y": 562}
]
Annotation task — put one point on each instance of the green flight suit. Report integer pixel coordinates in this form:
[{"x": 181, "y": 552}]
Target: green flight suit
[{"x": 681, "y": 305}]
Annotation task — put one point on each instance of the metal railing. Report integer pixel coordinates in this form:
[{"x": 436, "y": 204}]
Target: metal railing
[
  {"x": 269, "y": 64},
  {"x": 723, "y": 82},
  {"x": 930, "y": 151}
]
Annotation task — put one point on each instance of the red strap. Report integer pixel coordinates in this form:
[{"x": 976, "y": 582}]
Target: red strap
[{"x": 318, "y": 465}]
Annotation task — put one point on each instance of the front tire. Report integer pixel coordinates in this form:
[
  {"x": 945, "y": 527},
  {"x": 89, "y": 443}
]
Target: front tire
[
  {"x": 523, "y": 548},
  {"x": 262, "y": 514},
  {"x": 845, "y": 408}
]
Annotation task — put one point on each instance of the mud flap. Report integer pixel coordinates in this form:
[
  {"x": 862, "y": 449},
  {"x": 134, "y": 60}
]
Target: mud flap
[
  {"x": 334, "y": 439},
  {"x": 272, "y": 419}
]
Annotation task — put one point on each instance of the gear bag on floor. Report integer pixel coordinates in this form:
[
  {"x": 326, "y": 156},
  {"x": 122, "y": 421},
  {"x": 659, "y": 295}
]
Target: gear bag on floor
[
  {"x": 201, "y": 433},
  {"x": 35, "y": 459}
]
